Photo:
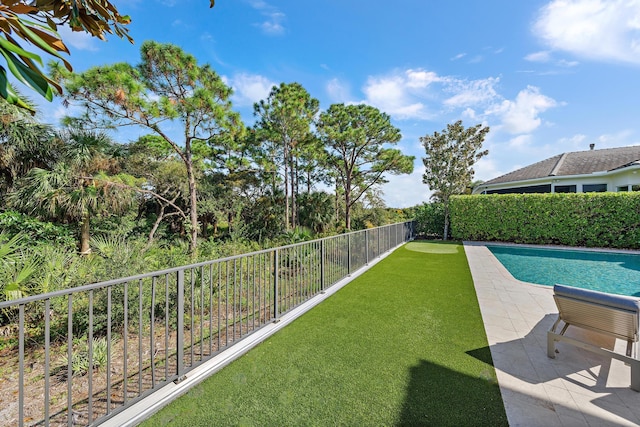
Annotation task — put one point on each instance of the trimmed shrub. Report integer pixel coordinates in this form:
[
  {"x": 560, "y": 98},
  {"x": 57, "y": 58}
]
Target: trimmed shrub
[
  {"x": 429, "y": 219},
  {"x": 579, "y": 219}
]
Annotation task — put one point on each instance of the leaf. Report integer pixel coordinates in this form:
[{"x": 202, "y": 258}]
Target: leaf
[
  {"x": 11, "y": 45},
  {"x": 5, "y": 89},
  {"x": 23, "y": 9},
  {"x": 53, "y": 41},
  {"x": 27, "y": 76},
  {"x": 42, "y": 44},
  {"x": 7, "y": 92}
]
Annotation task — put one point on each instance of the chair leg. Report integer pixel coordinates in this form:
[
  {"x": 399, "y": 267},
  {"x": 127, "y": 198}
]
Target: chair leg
[{"x": 551, "y": 345}]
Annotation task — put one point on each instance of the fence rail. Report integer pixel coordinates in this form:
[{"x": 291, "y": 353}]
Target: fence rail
[{"x": 84, "y": 354}]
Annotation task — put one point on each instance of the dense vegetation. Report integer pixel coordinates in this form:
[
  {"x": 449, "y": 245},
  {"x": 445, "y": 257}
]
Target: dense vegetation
[
  {"x": 79, "y": 206},
  {"x": 582, "y": 219}
]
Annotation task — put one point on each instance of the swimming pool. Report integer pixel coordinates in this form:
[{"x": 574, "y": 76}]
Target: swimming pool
[{"x": 613, "y": 272}]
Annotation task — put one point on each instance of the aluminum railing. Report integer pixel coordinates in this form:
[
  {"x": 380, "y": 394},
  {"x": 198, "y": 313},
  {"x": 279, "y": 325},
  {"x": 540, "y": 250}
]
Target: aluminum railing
[{"x": 80, "y": 356}]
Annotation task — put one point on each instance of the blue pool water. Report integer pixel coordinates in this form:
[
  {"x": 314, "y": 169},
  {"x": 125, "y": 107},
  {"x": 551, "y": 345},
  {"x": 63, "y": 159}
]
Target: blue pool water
[{"x": 616, "y": 273}]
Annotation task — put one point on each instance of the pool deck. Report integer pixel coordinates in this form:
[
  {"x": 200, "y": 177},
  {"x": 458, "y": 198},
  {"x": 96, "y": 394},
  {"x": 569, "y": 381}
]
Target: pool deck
[{"x": 577, "y": 388}]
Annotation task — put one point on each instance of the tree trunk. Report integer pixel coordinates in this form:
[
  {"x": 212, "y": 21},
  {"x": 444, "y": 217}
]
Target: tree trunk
[
  {"x": 193, "y": 206},
  {"x": 85, "y": 248},
  {"x": 446, "y": 221},
  {"x": 156, "y": 224},
  {"x": 286, "y": 188},
  {"x": 347, "y": 208},
  {"x": 294, "y": 188}
]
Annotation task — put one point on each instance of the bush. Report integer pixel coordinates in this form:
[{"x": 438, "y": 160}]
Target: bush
[
  {"x": 430, "y": 220},
  {"x": 36, "y": 231},
  {"x": 80, "y": 358},
  {"x": 580, "y": 219}
]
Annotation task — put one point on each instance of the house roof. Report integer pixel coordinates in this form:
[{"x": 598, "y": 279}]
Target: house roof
[{"x": 575, "y": 163}]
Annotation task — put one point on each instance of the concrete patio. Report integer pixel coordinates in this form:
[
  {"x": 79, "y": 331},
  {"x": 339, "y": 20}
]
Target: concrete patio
[{"x": 577, "y": 388}]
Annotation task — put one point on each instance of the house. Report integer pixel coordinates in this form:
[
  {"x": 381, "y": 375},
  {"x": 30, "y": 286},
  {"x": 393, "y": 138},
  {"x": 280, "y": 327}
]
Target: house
[{"x": 611, "y": 169}]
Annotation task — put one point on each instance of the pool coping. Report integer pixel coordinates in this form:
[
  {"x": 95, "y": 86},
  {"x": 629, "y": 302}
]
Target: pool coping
[
  {"x": 561, "y": 247},
  {"x": 576, "y": 388}
]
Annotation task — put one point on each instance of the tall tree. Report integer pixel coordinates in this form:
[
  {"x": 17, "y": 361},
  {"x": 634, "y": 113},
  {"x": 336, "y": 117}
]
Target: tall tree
[
  {"x": 285, "y": 118},
  {"x": 152, "y": 158},
  {"x": 94, "y": 17},
  {"x": 355, "y": 137},
  {"x": 168, "y": 89},
  {"x": 450, "y": 156}
]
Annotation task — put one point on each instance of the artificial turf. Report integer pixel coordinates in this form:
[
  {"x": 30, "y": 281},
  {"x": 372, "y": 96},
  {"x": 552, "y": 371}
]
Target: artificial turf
[{"x": 403, "y": 344}]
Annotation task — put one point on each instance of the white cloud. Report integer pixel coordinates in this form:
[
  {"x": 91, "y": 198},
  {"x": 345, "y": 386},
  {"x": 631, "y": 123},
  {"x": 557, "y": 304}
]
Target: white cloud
[
  {"x": 418, "y": 94},
  {"x": 568, "y": 64},
  {"x": 405, "y": 94},
  {"x": 273, "y": 25},
  {"x": 391, "y": 95},
  {"x": 486, "y": 169},
  {"x": 469, "y": 93},
  {"x": 406, "y": 190},
  {"x": 520, "y": 142},
  {"x": 459, "y": 56},
  {"x": 618, "y": 139},
  {"x": 542, "y": 56},
  {"x": 573, "y": 143},
  {"x": 522, "y": 114},
  {"x": 78, "y": 39},
  {"x": 469, "y": 113},
  {"x": 249, "y": 88},
  {"x": 421, "y": 78},
  {"x": 606, "y": 30},
  {"x": 546, "y": 57},
  {"x": 338, "y": 91}
]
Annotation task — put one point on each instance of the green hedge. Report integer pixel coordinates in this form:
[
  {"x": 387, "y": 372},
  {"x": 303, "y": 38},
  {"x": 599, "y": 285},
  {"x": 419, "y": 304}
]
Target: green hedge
[
  {"x": 582, "y": 219},
  {"x": 429, "y": 219}
]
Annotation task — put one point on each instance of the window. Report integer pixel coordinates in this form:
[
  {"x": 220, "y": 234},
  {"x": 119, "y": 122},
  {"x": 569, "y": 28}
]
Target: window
[
  {"x": 594, "y": 188},
  {"x": 564, "y": 189},
  {"x": 623, "y": 188},
  {"x": 635, "y": 187},
  {"x": 546, "y": 188}
]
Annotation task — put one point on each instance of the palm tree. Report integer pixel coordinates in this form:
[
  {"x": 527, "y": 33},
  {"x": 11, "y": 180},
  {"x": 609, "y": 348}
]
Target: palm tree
[
  {"x": 82, "y": 184},
  {"x": 24, "y": 144}
]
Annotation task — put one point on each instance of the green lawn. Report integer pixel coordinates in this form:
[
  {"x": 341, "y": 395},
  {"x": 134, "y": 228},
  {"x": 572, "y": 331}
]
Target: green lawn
[{"x": 403, "y": 344}]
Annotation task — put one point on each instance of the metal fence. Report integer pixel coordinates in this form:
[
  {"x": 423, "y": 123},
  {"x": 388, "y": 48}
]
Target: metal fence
[{"x": 80, "y": 356}]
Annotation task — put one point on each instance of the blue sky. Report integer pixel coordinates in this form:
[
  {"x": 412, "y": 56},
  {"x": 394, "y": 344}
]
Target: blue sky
[{"x": 547, "y": 76}]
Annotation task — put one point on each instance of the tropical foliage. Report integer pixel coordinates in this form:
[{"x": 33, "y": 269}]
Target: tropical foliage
[
  {"x": 81, "y": 206},
  {"x": 36, "y": 22}
]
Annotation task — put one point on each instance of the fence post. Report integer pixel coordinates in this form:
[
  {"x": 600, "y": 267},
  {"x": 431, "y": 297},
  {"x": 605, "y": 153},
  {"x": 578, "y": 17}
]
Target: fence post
[
  {"x": 276, "y": 282},
  {"x": 180, "y": 327},
  {"x": 322, "y": 256},
  {"x": 349, "y": 253},
  {"x": 366, "y": 246}
]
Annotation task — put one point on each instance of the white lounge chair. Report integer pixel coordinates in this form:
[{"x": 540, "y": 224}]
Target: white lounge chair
[{"x": 609, "y": 314}]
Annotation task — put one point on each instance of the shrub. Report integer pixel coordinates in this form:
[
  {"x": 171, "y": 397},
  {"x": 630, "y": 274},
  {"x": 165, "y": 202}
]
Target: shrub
[
  {"x": 35, "y": 231},
  {"x": 80, "y": 357},
  {"x": 430, "y": 220},
  {"x": 580, "y": 219}
]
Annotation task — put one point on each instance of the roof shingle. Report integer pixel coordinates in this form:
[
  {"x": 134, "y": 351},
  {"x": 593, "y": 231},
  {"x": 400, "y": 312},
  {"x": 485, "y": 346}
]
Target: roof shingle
[{"x": 574, "y": 163}]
